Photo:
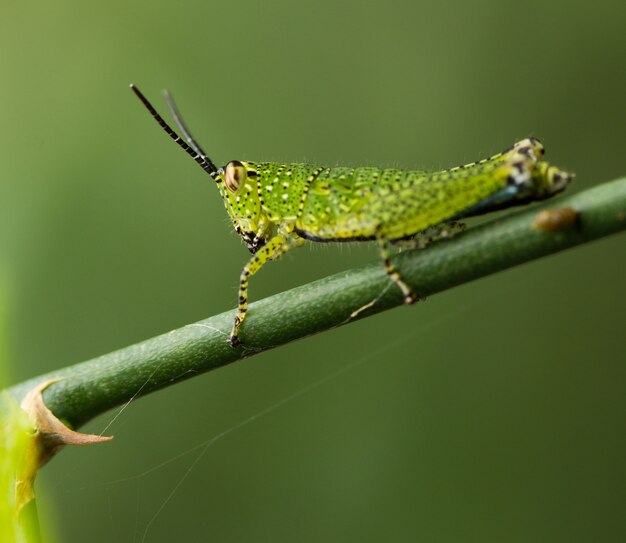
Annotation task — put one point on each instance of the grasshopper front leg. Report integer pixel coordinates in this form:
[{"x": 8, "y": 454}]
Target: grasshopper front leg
[{"x": 273, "y": 249}]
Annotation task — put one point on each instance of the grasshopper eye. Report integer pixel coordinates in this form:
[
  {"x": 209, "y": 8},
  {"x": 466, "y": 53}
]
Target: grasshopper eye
[{"x": 234, "y": 175}]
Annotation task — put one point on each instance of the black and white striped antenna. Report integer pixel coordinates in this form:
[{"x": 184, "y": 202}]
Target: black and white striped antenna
[{"x": 191, "y": 147}]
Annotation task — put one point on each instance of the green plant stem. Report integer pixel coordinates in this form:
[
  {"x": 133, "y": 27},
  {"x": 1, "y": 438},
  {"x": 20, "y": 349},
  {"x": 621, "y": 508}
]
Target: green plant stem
[{"x": 90, "y": 388}]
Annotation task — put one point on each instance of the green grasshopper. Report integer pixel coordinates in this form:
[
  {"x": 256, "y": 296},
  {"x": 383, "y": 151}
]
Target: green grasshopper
[{"x": 276, "y": 207}]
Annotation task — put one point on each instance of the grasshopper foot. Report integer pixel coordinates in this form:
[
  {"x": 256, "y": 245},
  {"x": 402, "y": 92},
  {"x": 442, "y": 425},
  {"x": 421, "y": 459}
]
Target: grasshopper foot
[
  {"x": 410, "y": 298},
  {"x": 233, "y": 340}
]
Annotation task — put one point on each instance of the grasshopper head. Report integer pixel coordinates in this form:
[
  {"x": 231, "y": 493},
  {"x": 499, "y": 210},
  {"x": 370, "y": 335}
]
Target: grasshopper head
[{"x": 237, "y": 182}]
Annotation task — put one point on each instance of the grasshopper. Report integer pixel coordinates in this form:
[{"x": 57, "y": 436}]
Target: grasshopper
[{"x": 276, "y": 207}]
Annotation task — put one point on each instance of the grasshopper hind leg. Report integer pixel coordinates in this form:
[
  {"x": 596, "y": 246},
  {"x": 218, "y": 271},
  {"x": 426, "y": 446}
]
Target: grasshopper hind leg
[{"x": 422, "y": 239}]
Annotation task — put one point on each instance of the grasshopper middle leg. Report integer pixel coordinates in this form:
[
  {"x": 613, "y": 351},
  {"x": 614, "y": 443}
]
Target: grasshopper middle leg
[{"x": 409, "y": 296}]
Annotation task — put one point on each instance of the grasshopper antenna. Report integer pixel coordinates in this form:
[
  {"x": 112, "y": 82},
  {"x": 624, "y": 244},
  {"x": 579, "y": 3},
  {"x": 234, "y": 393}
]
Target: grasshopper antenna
[
  {"x": 192, "y": 149},
  {"x": 169, "y": 100}
]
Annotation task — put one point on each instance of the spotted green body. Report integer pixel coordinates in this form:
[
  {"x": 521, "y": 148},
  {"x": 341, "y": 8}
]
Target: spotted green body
[
  {"x": 348, "y": 204},
  {"x": 275, "y": 207}
]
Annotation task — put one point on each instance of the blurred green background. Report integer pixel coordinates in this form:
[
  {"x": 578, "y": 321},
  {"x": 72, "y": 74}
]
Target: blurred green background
[{"x": 493, "y": 412}]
